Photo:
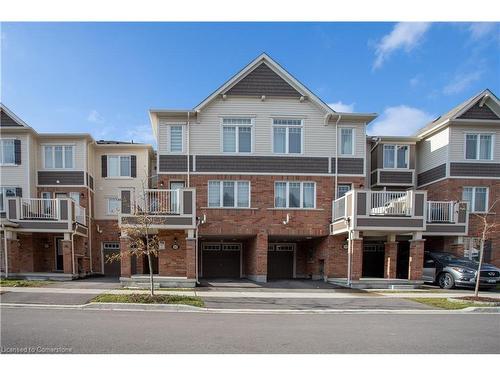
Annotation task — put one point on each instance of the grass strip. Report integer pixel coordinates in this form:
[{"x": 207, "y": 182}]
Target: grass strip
[
  {"x": 146, "y": 298},
  {"x": 23, "y": 283},
  {"x": 444, "y": 303}
]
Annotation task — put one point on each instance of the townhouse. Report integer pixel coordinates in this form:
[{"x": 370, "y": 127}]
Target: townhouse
[
  {"x": 261, "y": 180},
  {"x": 57, "y": 210}
]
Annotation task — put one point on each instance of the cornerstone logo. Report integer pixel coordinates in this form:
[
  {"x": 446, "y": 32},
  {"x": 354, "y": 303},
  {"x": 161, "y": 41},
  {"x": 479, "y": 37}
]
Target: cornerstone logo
[{"x": 34, "y": 350}]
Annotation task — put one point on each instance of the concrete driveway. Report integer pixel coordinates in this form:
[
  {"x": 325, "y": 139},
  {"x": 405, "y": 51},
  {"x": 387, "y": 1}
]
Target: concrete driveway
[{"x": 94, "y": 282}]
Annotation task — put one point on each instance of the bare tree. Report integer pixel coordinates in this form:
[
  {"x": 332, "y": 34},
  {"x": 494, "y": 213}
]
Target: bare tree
[
  {"x": 487, "y": 227},
  {"x": 139, "y": 231}
]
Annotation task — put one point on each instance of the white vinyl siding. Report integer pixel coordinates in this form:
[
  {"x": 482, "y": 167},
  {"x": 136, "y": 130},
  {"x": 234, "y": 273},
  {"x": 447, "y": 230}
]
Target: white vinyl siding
[
  {"x": 477, "y": 197},
  {"x": 458, "y": 136},
  {"x": 433, "y": 151},
  {"x": 228, "y": 194},
  {"x": 318, "y": 139},
  {"x": 7, "y": 151},
  {"x": 171, "y": 138},
  {"x": 58, "y": 156},
  {"x": 294, "y": 194}
]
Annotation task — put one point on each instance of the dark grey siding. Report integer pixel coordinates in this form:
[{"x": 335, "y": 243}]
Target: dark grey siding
[
  {"x": 431, "y": 175},
  {"x": 480, "y": 113},
  {"x": 187, "y": 198},
  {"x": 162, "y": 220},
  {"x": 262, "y": 164},
  {"x": 349, "y": 165},
  {"x": 42, "y": 225},
  {"x": 263, "y": 81},
  {"x": 174, "y": 163},
  {"x": 361, "y": 204},
  {"x": 396, "y": 177},
  {"x": 419, "y": 204},
  {"x": 389, "y": 222},
  {"x": 64, "y": 178},
  {"x": 445, "y": 228},
  {"x": 6, "y": 120},
  {"x": 475, "y": 169}
]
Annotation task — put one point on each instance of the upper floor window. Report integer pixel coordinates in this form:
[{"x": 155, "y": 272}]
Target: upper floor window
[
  {"x": 342, "y": 189},
  {"x": 58, "y": 157},
  {"x": 6, "y": 192},
  {"x": 7, "y": 151},
  {"x": 176, "y": 142},
  {"x": 113, "y": 206},
  {"x": 346, "y": 141},
  {"x": 287, "y": 136},
  {"x": 237, "y": 135},
  {"x": 396, "y": 156},
  {"x": 119, "y": 166},
  {"x": 291, "y": 194},
  {"x": 478, "y": 146},
  {"x": 477, "y": 197},
  {"x": 230, "y": 194}
]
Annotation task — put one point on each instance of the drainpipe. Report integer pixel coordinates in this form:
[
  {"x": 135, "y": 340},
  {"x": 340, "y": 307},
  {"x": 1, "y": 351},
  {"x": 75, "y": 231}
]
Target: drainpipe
[
  {"x": 337, "y": 155},
  {"x": 349, "y": 257},
  {"x": 188, "y": 150},
  {"x": 72, "y": 252},
  {"x": 196, "y": 252},
  {"x": 5, "y": 251}
]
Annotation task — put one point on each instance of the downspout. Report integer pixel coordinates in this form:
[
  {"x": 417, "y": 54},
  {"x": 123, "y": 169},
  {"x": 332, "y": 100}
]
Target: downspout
[
  {"x": 188, "y": 150},
  {"x": 73, "y": 252},
  {"x": 337, "y": 155},
  {"x": 89, "y": 213},
  {"x": 5, "y": 251}
]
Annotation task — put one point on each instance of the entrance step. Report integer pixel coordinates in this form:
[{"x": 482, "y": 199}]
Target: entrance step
[{"x": 377, "y": 283}]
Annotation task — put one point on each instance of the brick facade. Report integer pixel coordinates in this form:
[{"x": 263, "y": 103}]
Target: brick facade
[{"x": 390, "y": 260}]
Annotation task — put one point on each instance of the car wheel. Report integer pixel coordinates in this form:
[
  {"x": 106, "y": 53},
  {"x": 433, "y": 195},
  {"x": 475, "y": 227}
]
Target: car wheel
[{"x": 446, "y": 281}]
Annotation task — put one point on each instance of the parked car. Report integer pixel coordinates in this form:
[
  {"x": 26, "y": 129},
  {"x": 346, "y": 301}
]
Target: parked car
[{"x": 448, "y": 271}]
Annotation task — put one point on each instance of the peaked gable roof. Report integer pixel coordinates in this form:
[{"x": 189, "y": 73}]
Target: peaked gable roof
[
  {"x": 9, "y": 120},
  {"x": 475, "y": 108}
]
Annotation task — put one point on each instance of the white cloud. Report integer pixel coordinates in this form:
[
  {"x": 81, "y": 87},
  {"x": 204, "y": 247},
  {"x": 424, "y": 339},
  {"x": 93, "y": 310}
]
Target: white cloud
[
  {"x": 400, "y": 120},
  {"x": 141, "y": 134},
  {"x": 405, "y": 35},
  {"x": 95, "y": 117},
  {"x": 415, "y": 81},
  {"x": 462, "y": 81},
  {"x": 341, "y": 107},
  {"x": 479, "y": 30}
]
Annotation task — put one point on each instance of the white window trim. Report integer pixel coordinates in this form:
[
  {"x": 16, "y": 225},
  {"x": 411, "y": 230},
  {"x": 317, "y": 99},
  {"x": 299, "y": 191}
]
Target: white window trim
[
  {"x": 478, "y": 142},
  {"x": 287, "y": 195},
  {"x": 108, "y": 177},
  {"x": 108, "y": 212},
  {"x": 339, "y": 145},
  {"x": 53, "y": 145},
  {"x": 1, "y": 155},
  {"x": 302, "y": 135},
  {"x": 343, "y": 184},
  {"x": 169, "y": 138},
  {"x": 221, "y": 194},
  {"x": 252, "y": 135},
  {"x": 472, "y": 208},
  {"x": 7, "y": 187},
  {"x": 395, "y": 167}
]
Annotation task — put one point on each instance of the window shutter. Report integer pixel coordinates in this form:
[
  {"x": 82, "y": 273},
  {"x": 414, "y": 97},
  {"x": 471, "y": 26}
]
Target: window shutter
[
  {"x": 19, "y": 192},
  {"x": 133, "y": 166},
  {"x": 17, "y": 151},
  {"x": 104, "y": 166},
  {"x": 126, "y": 202}
]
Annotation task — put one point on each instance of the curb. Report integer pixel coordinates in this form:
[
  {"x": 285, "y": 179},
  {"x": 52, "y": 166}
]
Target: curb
[{"x": 106, "y": 306}]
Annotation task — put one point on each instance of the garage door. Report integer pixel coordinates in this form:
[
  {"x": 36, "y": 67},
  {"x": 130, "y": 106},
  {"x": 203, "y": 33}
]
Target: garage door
[
  {"x": 221, "y": 260},
  {"x": 111, "y": 268},
  {"x": 280, "y": 261}
]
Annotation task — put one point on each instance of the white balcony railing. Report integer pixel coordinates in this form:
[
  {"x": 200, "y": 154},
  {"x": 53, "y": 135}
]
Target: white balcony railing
[
  {"x": 390, "y": 203},
  {"x": 339, "y": 208},
  {"x": 80, "y": 214},
  {"x": 440, "y": 212},
  {"x": 160, "y": 202},
  {"x": 39, "y": 209}
]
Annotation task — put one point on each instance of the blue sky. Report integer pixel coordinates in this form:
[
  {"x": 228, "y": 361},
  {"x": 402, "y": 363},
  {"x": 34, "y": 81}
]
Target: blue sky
[{"x": 102, "y": 78}]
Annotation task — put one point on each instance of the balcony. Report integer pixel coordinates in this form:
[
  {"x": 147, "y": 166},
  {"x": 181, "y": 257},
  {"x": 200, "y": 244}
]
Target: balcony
[
  {"x": 164, "y": 208},
  {"x": 51, "y": 215},
  {"x": 372, "y": 210},
  {"x": 397, "y": 211}
]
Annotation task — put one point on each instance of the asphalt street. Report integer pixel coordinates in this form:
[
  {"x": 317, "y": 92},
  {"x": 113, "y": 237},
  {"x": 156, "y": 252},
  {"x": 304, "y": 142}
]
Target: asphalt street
[{"x": 82, "y": 331}]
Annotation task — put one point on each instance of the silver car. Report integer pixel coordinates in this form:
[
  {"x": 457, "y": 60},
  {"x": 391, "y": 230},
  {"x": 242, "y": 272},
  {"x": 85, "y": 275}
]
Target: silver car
[{"x": 448, "y": 271}]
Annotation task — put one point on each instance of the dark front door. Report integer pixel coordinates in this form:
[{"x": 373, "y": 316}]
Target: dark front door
[
  {"x": 221, "y": 264},
  {"x": 154, "y": 263},
  {"x": 403, "y": 260},
  {"x": 279, "y": 264},
  {"x": 59, "y": 254},
  {"x": 373, "y": 259}
]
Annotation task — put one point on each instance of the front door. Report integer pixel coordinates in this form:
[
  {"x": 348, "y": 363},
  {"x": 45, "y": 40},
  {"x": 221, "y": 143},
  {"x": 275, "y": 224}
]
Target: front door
[
  {"x": 175, "y": 185},
  {"x": 373, "y": 259},
  {"x": 59, "y": 254},
  {"x": 403, "y": 260}
]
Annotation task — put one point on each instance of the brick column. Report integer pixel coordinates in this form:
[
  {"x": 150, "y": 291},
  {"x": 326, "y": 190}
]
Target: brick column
[
  {"x": 67, "y": 256},
  {"x": 357, "y": 259},
  {"x": 390, "y": 262},
  {"x": 257, "y": 267},
  {"x": 190, "y": 258},
  {"x": 125, "y": 258},
  {"x": 13, "y": 256},
  {"x": 416, "y": 261}
]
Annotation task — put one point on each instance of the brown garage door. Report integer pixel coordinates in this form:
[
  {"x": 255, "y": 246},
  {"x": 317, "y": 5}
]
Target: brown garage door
[
  {"x": 111, "y": 268},
  {"x": 221, "y": 263},
  {"x": 279, "y": 264}
]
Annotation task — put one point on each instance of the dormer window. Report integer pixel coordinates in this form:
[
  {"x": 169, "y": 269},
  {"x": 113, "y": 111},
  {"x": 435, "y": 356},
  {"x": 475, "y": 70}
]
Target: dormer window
[
  {"x": 478, "y": 146},
  {"x": 396, "y": 156}
]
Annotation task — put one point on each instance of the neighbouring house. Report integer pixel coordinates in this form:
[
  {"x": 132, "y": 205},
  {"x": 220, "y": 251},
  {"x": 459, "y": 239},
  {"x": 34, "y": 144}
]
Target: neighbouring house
[{"x": 261, "y": 180}]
